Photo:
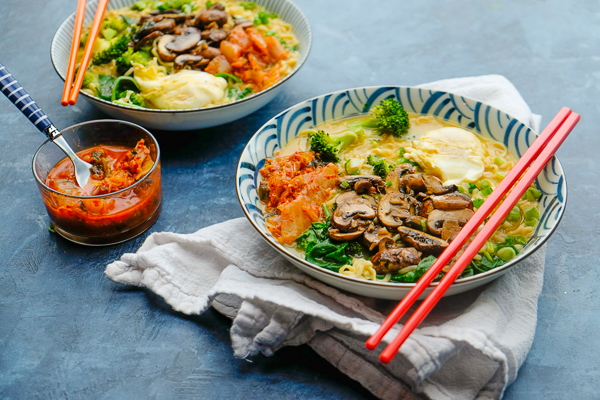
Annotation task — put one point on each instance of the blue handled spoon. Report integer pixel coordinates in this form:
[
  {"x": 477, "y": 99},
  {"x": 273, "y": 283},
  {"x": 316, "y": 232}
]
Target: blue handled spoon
[{"x": 19, "y": 97}]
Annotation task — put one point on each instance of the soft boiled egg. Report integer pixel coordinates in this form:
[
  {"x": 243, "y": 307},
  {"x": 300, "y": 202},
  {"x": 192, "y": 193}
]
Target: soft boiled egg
[
  {"x": 454, "y": 154},
  {"x": 181, "y": 90}
]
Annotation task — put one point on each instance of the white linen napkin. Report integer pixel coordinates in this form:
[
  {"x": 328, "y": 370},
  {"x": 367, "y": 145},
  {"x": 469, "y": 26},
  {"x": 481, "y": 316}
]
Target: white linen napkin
[{"x": 470, "y": 346}]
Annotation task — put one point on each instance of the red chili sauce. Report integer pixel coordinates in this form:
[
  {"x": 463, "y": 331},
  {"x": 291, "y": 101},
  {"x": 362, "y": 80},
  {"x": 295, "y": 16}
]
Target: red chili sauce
[{"x": 113, "y": 168}]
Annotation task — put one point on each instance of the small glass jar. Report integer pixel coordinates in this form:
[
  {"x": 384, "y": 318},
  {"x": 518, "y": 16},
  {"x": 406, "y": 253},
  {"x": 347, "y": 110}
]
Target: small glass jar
[{"x": 108, "y": 218}]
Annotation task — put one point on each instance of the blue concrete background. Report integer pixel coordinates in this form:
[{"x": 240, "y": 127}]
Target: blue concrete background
[{"x": 66, "y": 331}]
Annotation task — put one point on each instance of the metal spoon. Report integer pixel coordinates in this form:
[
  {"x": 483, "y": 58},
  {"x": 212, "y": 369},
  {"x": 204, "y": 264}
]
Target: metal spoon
[{"x": 19, "y": 97}]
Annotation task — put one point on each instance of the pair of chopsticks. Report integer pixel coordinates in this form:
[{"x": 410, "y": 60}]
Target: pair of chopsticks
[
  {"x": 71, "y": 90},
  {"x": 534, "y": 160}
]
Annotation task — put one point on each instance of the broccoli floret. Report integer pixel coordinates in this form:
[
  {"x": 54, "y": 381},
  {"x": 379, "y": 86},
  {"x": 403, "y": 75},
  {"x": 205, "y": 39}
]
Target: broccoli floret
[
  {"x": 327, "y": 147},
  {"x": 116, "y": 50},
  {"x": 137, "y": 99},
  {"x": 388, "y": 117},
  {"x": 380, "y": 165},
  {"x": 354, "y": 249}
]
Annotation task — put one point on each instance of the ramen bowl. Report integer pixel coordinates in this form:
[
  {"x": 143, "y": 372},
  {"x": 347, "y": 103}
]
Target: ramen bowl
[
  {"x": 456, "y": 110},
  {"x": 192, "y": 118},
  {"x": 101, "y": 219}
]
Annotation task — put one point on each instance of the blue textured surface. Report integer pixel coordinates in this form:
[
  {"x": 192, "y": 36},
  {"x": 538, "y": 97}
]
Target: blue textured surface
[{"x": 66, "y": 331}]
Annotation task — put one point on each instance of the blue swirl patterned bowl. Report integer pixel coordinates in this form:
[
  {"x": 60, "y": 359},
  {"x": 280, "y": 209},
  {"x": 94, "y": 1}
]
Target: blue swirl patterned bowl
[
  {"x": 194, "y": 118},
  {"x": 488, "y": 121}
]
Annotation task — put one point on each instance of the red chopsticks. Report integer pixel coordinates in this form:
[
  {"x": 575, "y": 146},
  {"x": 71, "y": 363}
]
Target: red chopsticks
[
  {"x": 535, "y": 158},
  {"x": 73, "y": 56},
  {"x": 70, "y": 93}
]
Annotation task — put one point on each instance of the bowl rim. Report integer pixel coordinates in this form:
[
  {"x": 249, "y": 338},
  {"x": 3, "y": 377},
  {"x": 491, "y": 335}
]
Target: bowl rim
[
  {"x": 98, "y": 196},
  {"x": 399, "y": 285},
  {"x": 198, "y": 109}
]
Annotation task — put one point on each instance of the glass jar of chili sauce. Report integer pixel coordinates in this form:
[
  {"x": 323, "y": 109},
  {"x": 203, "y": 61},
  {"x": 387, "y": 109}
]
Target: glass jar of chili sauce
[{"x": 123, "y": 196}]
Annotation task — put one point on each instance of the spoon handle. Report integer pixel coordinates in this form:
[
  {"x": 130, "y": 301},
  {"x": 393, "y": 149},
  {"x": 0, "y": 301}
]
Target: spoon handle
[{"x": 23, "y": 101}]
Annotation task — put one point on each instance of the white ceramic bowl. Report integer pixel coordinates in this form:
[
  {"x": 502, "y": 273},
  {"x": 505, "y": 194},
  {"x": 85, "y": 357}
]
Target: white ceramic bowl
[
  {"x": 488, "y": 121},
  {"x": 195, "y": 118}
]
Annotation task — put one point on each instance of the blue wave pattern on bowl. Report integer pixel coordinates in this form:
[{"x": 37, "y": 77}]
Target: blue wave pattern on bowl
[{"x": 465, "y": 112}]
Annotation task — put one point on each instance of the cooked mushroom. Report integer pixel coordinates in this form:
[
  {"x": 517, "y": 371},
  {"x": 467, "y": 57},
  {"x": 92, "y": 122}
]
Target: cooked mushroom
[
  {"x": 373, "y": 235},
  {"x": 345, "y": 237},
  {"x": 215, "y": 35},
  {"x": 161, "y": 48},
  {"x": 426, "y": 208},
  {"x": 196, "y": 62},
  {"x": 413, "y": 183},
  {"x": 244, "y": 23},
  {"x": 395, "y": 208},
  {"x": 205, "y": 17},
  {"x": 164, "y": 25},
  {"x": 452, "y": 201},
  {"x": 185, "y": 41},
  {"x": 396, "y": 174},
  {"x": 422, "y": 241},
  {"x": 209, "y": 52},
  {"x": 416, "y": 222},
  {"x": 450, "y": 229},
  {"x": 435, "y": 186},
  {"x": 394, "y": 259},
  {"x": 352, "y": 212},
  {"x": 362, "y": 184},
  {"x": 436, "y": 218},
  {"x": 148, "y": 39}
]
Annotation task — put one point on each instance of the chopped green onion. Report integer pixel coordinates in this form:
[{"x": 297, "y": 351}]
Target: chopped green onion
[
  {"x": 487, "y": 192},
  {"x": 477, "y": 202},
  {"x": 249, "y": 5},
  {"x": 227, "y": 76},
  {"x": 462, "y": 190},
  {"x": 488, "y": 256},
  {"x": 344, "y": 185},
  {"x": 500, "y": 176},
  {"x": 472, "y": 187},
  {"x": 506, "y": 253},
  {"x": 490, "y": 248},
  {"x": 270, "y": 33},
  {"x": 109, "y": 33},
  {"x": 531, "y": 222},
  {"x": 532, "y": 213},
  {"x": 532, "y": 194},
  {"x": 498, "y": 161},
  {"x": 424, "y": 225},
  {"x": 515, "y": 214},
  {"x": 352, "y": 166},
  {"x": 388, "y": 183},
  {"x": 484, "y": 184},
  {"x": 210, "y": 3}
]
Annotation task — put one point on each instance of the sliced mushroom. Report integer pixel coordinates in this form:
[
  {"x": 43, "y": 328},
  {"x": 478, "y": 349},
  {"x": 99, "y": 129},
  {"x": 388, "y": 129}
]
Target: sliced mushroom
[
  {"x": 452, "y": 201},
  {"x": 450, "y": 229},
  {"x": 362, "y": 184},
  {"x": 426, "y": 208},
  {"x": 244, "y": 23},
  {"x": 422, "y": 241},
  {"x": 345, "y": 237},
  {"x": 165, "y": 25},
  {"x": 416, "y": 222},
  {"x": 394, "y": 259},
  {"x": 352, "y": 212},
  {"x": 215, "y": 35},
  {"x": 435, "y": 220},
  {"x": 396, "y": 174},
  {"x": 185, "y": 41},
  {"x": 373, "y": 235},
  {"x": 435, "y": 186},
  {"x": 148, "y": 39},
  {"x": 196, "y": 62},
  {"x": 210, "y": 52},
  {"x": 161, "y": 48},
  {"x": 395, "y": 208},
  {"x": 206, "y": 17},
  {"x": 413, "y": 183},
  {"x": 217, "y": 6}
]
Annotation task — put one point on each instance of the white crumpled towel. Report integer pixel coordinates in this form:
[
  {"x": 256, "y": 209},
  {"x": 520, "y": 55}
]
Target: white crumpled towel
[{"x": 470, "y": 346}]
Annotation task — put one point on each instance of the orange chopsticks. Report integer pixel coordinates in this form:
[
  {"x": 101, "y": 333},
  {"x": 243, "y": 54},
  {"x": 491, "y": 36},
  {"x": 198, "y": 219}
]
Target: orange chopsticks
[
  {"x": 536, "y": 157},
  {"x": 79, "y": 15},
  {"x": 70, "y": 94}
]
